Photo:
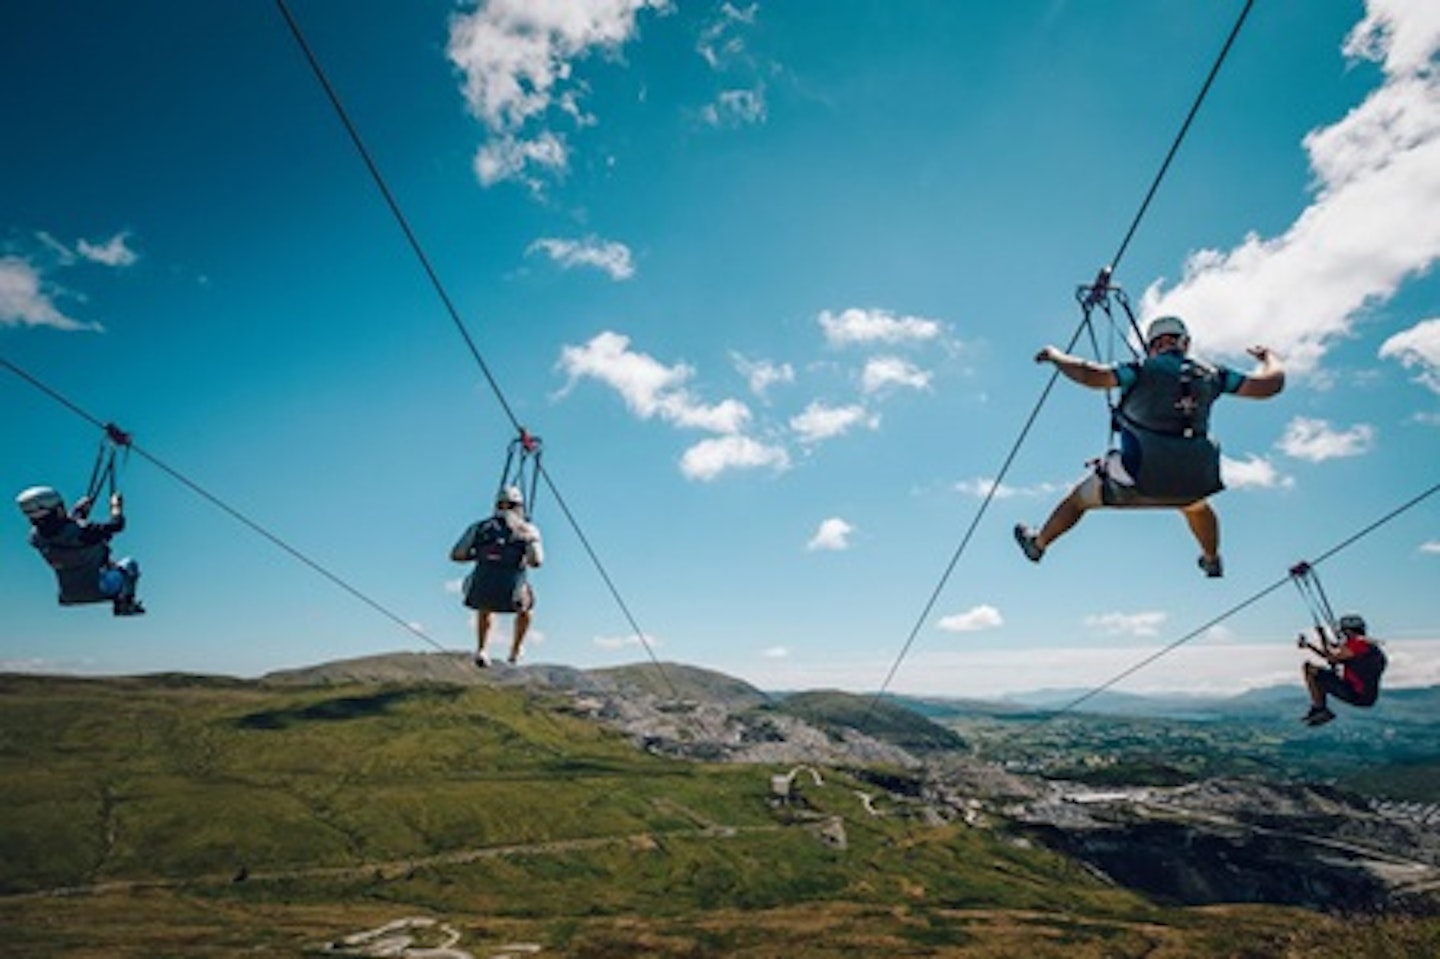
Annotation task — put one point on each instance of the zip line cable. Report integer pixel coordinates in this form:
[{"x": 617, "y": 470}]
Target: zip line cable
[
  {"x": 234, "y": 513},
  {"x": 353, "y": 131},
  {"x": 1100, "y": 289},
  {"x": 1343, "y": 544}
]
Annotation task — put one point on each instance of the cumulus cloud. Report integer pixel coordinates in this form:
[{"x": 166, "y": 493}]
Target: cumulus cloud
[
  {"x": 24, "y": 301},
  {"x": 1253, "y": 472},
  {"x": 858, "y": 326},
  {"x": 819, "y": 421},
  {"x": 606, "y": 255},
  {"x": 833, "y": 534},
  {"x": 1316, "y": 441},
  {"x": 649, "y": 388},
  {"x": 709, "y": 458},
  {"x": 972, "y": 620},
  {"x": 517, "y": 63},
  {"x": 1127, "y": 624},
  {"x": 1418, "y": 348},
  {"x": 883, "y": 371},
  {"x": 1374, "y": 221}
]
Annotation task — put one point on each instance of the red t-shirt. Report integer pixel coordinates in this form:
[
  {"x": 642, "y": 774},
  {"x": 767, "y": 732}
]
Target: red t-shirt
[{"x": 1356, "y": 646}]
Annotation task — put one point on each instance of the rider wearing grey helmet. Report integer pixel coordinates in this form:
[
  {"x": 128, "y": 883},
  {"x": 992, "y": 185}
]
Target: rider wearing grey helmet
[{"x": 1352, "y": 672}]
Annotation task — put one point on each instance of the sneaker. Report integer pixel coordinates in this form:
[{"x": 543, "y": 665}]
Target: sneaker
[
  {"x": 1026, "y": 538},
  {"x": 1318, "y": 716},
  {"x": 128, "y": 607},
  {"x": 482, "y": 660},
  {"x": 513, "y": 659},
  {"x": 1213, "y": 567}
]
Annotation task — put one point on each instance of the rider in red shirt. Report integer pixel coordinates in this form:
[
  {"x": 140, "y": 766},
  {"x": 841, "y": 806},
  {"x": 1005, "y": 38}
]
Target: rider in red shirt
[{"x": 1352, "y": 674}]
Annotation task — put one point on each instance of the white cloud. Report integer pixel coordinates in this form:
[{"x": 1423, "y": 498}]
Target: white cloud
[
  {"x": 517, "y": 59},
  {"x": 1431, "y": 546},
  {"x": 649, "y": 388},
  {"x": 707, "y": 459},
  {"x": 775, "y": 652},
  {"x": 734, "y": 108},
  {"x": 972, "y": 620},
  {"x": 1253, "y": 472},
  {"x": 1373, "y": 223},
  {"x": 723, "y": 47},
  {"x": 762, "y": 374},
  {"x": 719, "y": 43},
  {"x": 113, "y": 252},
  {"x": 833, "y": 534},
  {"x": 821, "y": 422},
  {"x": 1127, "y": 624},
  {"x": 625, "y": 642},
  {"x": 883, "y": 371},
  {"x": 875, "y": 326},
  {"x": 983, "y": 486},
  {"x": 1418, "y": 346},
  {"x": 1316, "y": 441},
  {"x": 607, "y": 255},
  {"x": 24, "y": 302}
]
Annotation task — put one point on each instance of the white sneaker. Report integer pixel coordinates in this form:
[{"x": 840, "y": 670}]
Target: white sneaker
[{"x": 482, "y": 660}]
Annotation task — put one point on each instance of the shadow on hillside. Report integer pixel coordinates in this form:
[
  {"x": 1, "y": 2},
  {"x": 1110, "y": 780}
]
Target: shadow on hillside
[{"x": 334, "y": 710}]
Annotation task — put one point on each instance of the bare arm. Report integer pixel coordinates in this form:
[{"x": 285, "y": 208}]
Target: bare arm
[
  {"x": 1266, "y": 381},
  {"x": 1078, "y": 369}
]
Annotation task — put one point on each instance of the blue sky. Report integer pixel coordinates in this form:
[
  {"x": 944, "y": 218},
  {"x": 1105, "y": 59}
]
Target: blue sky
[{"x": 768, "y": 280}]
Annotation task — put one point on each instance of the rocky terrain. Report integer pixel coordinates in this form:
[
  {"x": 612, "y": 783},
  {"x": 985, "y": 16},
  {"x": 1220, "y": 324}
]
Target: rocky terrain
[{"x": 1218, "y": 839}]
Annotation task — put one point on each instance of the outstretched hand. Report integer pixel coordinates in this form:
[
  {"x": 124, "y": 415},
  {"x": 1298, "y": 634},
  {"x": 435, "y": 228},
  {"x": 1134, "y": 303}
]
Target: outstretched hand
[
  {"x": 1047, "y": 354},
  {"x": 1261, "y": 353}
]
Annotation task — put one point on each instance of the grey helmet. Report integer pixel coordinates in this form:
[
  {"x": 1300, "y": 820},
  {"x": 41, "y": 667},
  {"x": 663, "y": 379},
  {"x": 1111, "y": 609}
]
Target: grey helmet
[
  {"x": 1353, "y": 623},
  {"x": 39, "y": 501}
]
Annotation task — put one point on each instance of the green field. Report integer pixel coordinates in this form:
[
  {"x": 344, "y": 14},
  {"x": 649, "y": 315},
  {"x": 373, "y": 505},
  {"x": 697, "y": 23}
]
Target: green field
[{"x": 181, "y": 816}]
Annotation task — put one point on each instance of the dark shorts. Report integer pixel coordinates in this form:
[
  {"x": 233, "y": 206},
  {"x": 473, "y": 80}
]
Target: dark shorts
[
  {"x": 1332, "y": 684},
  {"x": 499, "y": 594}
]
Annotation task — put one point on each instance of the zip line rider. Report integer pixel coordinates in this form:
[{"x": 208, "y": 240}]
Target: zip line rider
[
  {"x": 1354, "y": 663},
  {"x": 1166, "y": 456},
  {"x": 503, "y": 547},
  {"x": 79, "y": 550}
]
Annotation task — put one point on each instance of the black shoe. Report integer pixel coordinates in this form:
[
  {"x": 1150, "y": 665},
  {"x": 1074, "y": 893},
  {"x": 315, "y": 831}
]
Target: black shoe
[
  {"x": 128, "y": 607},
  {"x": 1318, "y": 716},
  {"x": 1213, "y": 567},
  {"x": 1026, "y": 538}
]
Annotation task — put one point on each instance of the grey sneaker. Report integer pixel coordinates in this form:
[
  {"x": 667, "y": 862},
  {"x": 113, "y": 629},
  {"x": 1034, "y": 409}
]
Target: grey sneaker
[
  {"x": 1026, "y": 538},
  {"x": 1213, "y": 567}
]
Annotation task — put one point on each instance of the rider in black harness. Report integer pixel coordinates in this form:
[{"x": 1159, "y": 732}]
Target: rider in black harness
[{"x": 79, "y": 550}]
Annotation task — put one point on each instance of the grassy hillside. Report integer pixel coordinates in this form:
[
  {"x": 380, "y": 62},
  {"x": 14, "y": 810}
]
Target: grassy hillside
[{"x": 184, "y": 816}]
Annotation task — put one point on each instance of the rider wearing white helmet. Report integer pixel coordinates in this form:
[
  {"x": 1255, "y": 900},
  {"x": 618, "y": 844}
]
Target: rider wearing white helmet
[
  {"x": 79, "y": 550},
  {"x": 502, "y": 547}
]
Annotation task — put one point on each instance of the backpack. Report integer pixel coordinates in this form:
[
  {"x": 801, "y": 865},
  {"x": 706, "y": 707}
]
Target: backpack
[{"x": 498, "y": 545}]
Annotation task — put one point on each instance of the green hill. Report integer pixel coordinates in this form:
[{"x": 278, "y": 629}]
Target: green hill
[{"x": 195, "y": 816}]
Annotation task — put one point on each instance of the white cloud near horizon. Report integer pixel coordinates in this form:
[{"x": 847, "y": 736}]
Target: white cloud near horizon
[
  {"x": 1373, "y": 223},
  {"x": 1316, "y": 440},
  {"x": 973, "y": 620},
  {"x": 1431, "y": 546},
  {"x": 614, "y": 643},
  {"x": 883, "y": 371},
  {"x": 608, "y": 256},
  {"x": 1146, "y": 623},
  {"x": 517, "y": 59},
  {"x": 1419, "y": 347},
  {"x": 855, "y": 326},
  {"x": 832, "y": 534},
  {"x": 775, "y": 652},
  {"x": 821, "y": 422}
]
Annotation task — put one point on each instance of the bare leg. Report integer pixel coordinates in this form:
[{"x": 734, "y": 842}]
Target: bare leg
[
  {"x": 482, "y": 630},
  {"x": 1205, "y": 527},
  {"x": 1062, "y": 519},
  {"x": 1317, "y": 695},
  {"x": 522, "y": 626}
]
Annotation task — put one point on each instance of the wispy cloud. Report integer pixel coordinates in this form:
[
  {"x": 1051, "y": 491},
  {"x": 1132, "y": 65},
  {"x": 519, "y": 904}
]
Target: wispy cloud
[
  {"x": 1374, "y": 221},
  {"x": 1253, "y": 472},
  {"x": 709, "y": 458},
  {"x": 833, "y": 534},
  {"x": 1418, "y": 348},
  {"x": 981, "y": 486},
  {"x": 734, "y": 108},
  {"x": 517, "y": 59},
  {"x": 1127, "y": 624},
  {"x": 722, "y": 45},
  {"x": 819, "y": 421},
  {"x": 649, "y": 388},
  {"x": 115, "y": 251},
  {"x": 614, "y": 643},
  {"x": 608, "y": 256},
  {"x": 1431, "y": 546},
  {"x": 859, "y": 326},
  {"x": 972, "y": 620},
  {"x": 762, "y": 374},
  {"x": 25, "y": 302},
  {"x": 885, "y": 371},
  {"x": 775, "y": 652},
  {"x": 1316, "y": 441}
]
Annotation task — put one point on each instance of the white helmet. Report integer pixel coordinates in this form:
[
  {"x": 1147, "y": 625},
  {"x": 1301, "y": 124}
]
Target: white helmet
[
  {"x": 510, "y": 495},
  {"x": 1166, "y": 325},
  {"x": 38, "y": 501}
]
